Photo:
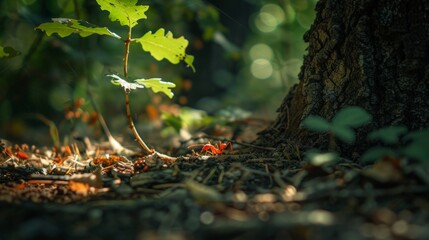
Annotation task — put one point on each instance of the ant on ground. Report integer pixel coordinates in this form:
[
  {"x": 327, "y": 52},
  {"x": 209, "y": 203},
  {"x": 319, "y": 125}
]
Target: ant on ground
[{"x": 214, "y": 149}]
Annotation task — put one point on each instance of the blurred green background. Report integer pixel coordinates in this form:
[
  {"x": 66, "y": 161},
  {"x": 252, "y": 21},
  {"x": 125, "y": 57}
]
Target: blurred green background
[{"x": 247, "y": 55}]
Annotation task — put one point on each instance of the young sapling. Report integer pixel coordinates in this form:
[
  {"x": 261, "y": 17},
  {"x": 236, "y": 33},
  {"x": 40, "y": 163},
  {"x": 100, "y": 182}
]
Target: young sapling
[
  {"x": 159, "y": 44},
  {"x": 398, "y": 142},
  {"x": 342, "y": 124}
]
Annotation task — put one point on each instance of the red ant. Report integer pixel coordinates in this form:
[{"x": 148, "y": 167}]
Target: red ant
[{"x": 214, "y": 149}]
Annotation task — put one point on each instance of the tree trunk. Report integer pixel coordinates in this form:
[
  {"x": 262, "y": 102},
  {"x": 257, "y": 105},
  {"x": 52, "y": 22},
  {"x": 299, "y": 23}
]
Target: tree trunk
[{"x": 368, "y": 53}]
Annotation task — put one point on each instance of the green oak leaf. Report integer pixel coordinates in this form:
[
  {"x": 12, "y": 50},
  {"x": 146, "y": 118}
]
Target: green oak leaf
[
  {"x": 161, "y": 45},
  {"x": 66, "y": 26},
  {"x": 123, "y": 83},
  {"x": 8, "y": 52},
  {"x": 126, "y": 12},
  {"x": 189, "y": 60},
  {"x": 157, "y": 85}
]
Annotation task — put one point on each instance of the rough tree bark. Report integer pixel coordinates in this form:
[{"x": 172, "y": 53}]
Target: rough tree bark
[{"x": 368, "y": 53}]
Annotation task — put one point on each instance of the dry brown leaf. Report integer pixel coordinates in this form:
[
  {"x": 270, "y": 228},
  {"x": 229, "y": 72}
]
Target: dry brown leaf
[
  {"x": 386, "y": 170},
  {"x": 79, "y": 187}
]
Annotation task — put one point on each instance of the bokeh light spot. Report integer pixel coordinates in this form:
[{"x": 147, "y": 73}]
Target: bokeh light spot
[
  {"x": 276, "y": 11},
  {"x": 269, "y": 17},
  {"x": 260, "y": 50},
  {"x": 207, "y": 217},
  {"x": 261, "y": 68},
  {"x": 290, "y": 14}
]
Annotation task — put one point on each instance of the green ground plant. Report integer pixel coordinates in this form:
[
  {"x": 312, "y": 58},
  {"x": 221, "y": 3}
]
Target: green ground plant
[
  {"x": 391, "y": 141},
  {"x": 160, "y": 45},
  {"x": 398, "y": 142},
  {"x": 342, "y": 125}
]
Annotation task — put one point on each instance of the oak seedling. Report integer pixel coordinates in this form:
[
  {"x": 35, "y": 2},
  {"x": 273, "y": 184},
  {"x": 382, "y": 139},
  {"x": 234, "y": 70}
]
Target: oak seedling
[{"x": 160, "y": 45}]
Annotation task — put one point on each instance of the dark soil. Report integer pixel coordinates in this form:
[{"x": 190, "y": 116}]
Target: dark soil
[{"x": 251, "y": 194}]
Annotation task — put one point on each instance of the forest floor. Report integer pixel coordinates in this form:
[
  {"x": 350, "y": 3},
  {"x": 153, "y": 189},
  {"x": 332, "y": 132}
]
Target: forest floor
[{"x": 87, "y": 192}]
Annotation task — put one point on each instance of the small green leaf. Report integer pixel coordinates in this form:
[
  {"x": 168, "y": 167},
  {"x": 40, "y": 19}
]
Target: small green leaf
[
  {"x": 157, "y": 85},
  {"x": 126, "y": 12},
  {"x": 126, "y": 85},
  {"x": 418, "y": 150},
  {"x": 418, "y": 135},
  {"x": 8, "y": 52},
  {"x": 388, "y": 135},
  {"x": 161, "y": 45},
  {"x": 189, "y": 60},
  {"x": 345, "y": 134},
  {"x": 66, "y": 26},
  {"x": 316, "y": 123},
  {"x": 352, "y": 117},
  {"x": 376, "y": 153},
  {"x": 419, "y": 147}
]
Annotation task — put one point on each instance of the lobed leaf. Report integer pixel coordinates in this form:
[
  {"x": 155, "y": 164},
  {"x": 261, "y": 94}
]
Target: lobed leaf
[
  {"x": 161, "y": 45},
  {"x": 352, "y": 116},
  {"x": 126, "y": 85},
  {"x": 66, "y": 26},
  {"x": 126, "y": 12},
  {"x": 157, "y": 85},
  {"x": 189, "y": 60}
]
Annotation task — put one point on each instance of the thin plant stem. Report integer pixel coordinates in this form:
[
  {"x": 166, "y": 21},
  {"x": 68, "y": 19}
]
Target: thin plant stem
[
  {"x": 127, "y": 52},
  {"x": 146, "y": 149}
]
